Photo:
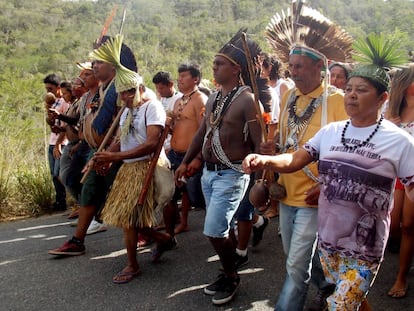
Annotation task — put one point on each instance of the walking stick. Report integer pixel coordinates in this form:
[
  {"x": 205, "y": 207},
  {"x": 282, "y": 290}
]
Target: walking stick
[
  {"x": 254, "y": 86},
  {"x": 153, "y": 164},
  {"x": 108, "y": 135},
  {"x": 265, "y": 187}
]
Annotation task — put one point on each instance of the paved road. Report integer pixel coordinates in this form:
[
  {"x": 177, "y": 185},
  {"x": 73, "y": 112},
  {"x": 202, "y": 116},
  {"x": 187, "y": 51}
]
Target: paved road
[{"x": 33, "y": 280}]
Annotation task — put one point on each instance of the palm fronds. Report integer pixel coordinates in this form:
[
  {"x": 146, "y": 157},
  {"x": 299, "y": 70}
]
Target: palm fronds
[
  {"x": 110, "y": 52},
  {"x": 377, "y": 50}
]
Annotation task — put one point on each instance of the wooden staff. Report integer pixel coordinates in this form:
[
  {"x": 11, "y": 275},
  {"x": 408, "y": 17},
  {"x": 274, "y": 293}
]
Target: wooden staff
[
  {"x": 108, "y": 135},
  {"x": 256, "y": 94},
  {"x": 153, "y": 164},
  {"x": 254, "y": 86}
]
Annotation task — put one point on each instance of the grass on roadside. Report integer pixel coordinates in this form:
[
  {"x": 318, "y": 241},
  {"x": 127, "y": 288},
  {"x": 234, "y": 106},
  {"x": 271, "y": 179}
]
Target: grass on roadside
[{"x": 35, "y": 188}]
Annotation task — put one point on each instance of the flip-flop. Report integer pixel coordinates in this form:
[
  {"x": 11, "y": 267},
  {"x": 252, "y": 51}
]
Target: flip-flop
[
  {"x": 126, "y": 276},
  {"x": 180, "y": 229},
  {"x": 398, "y": 293}
]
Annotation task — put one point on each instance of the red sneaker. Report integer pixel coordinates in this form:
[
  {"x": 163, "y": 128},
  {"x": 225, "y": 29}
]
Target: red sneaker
[{"x": 69, "y": 248}]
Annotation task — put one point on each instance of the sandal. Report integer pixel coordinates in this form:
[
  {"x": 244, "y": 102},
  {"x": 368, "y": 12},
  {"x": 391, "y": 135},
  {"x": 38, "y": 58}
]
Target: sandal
[{"x": 123, "y": 277}]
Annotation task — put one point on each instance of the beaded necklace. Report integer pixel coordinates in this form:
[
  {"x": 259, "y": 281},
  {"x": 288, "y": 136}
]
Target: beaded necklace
[
  {"x": 298, "y": 122},
  {"x": 220, "y": 105},
  {"x": 183, "y": 102},
  {"x": 297, "y": 125},
  {"x": 366, "y": 141}
]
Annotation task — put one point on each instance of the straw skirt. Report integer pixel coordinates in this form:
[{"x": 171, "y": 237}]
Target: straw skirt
[{"x": 121, "y": 207}]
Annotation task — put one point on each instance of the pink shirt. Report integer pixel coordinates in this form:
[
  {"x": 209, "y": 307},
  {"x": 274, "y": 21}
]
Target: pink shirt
[{"x": 61, "y": 106}]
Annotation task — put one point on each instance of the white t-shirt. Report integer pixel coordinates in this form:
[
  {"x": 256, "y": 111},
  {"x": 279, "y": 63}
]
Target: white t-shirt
[
  {"x": 357, "y": 186},
  {"x": 168, "y": 102},
  {"x": 150, "y": 93},
  {"x": 150, "y": 113},
  {"x": 275, "y": 109}
]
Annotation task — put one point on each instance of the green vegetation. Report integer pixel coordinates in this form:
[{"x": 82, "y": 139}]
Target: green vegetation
[{"x": 40, "y": 37}]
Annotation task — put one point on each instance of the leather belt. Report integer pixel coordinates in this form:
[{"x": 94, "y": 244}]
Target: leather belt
[{"x": 216, "y": 166}]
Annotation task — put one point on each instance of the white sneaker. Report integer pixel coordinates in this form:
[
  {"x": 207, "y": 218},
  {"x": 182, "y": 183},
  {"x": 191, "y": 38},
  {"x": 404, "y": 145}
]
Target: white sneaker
[{"x": 95, "y": 227}]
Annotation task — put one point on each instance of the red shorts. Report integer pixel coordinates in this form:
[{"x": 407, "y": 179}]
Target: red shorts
[{"x": 398, "y": 185}]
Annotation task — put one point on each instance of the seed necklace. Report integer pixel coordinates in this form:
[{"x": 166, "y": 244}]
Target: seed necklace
[
  {"x": 365, "y": 142},
  {"x": 183, "y": 102}
]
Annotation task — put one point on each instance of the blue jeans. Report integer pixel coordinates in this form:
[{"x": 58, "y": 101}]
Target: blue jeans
[
  {"x": 54, "y": 166},
  {"x": 298, "y": 226},
  {"x": 223, "y": 191},
  {"x": 193, "y": 185}
]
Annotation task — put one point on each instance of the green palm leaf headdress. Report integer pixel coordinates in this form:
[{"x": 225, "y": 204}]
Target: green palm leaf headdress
[
  {"x": 376, "y": 55},
  {"x": 110, "y": 52}
]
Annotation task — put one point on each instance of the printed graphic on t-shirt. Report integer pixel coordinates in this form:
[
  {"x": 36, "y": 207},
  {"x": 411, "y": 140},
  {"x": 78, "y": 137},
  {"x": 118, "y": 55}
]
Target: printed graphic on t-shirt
[{"x": 363, "y": 197}]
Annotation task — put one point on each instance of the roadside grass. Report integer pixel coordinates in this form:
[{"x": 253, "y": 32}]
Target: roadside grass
[
  {"x": 24, "y": 192},
  {"x": 35, "y": 188},
  {"x": 26, "y": 188}
]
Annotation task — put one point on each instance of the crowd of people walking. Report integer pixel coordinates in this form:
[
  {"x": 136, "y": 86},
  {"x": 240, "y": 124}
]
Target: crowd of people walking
[{"x": 327, "y": 132}]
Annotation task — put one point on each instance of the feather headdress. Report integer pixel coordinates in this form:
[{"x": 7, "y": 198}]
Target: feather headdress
[
  {"x": 234, "y": 51},
  {"x": 310, "y": 32},
  {"x": 376, "y": 56}
]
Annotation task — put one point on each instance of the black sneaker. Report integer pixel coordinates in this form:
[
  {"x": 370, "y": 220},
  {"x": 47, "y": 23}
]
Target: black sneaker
[
  {"x": 319, "y": 302},
  {"x": 227, "y": 291},
  {"x": 241, "y": 261},
  {"x": 258, "y": 232},
  {"x": 218, "y": 284}
]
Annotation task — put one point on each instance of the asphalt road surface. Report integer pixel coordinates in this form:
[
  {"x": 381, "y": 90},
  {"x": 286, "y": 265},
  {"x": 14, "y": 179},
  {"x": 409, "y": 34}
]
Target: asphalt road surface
[{"x": 33, "y": 280}]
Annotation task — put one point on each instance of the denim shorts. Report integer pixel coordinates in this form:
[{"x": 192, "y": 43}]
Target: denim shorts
[
  {"x": 223, "y": 191},
  {"x": 246, "y": 209}
]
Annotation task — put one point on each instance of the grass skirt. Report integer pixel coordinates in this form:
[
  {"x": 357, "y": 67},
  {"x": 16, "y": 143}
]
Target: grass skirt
[{"x": 121, "y": 207}]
